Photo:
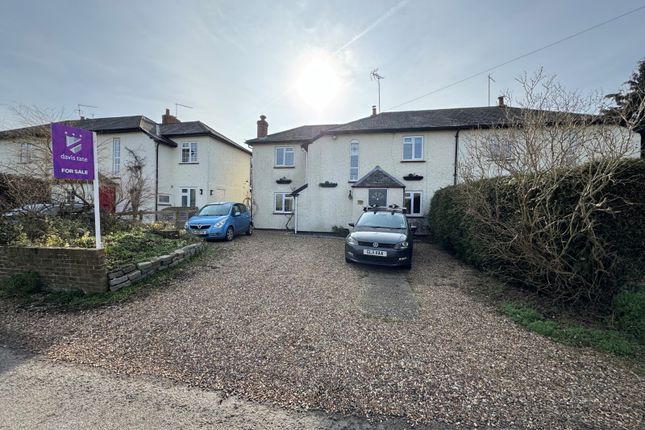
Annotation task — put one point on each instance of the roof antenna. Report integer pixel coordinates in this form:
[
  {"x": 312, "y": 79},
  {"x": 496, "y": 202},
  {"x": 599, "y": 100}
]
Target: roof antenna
[
  {"x": 80, "y": 111},
  {"x": 374, "y": 75},
  {"x": 490, "y": 79},
  {"x": 179, "y": 104}
]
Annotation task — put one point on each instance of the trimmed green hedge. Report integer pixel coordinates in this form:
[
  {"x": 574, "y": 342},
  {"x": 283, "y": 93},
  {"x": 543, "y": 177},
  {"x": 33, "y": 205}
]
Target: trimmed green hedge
[{"x": 452, "y": 225}]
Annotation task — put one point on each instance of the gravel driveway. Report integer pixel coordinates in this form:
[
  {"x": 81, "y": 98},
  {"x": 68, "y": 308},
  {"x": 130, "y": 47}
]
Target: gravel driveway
[{"x": 283, "y": 320}]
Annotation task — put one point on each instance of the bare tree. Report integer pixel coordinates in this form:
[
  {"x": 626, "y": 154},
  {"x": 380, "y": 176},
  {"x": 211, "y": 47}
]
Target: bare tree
[
  {"x": 531, "y": 152},
  {"x": 31, "y": 154},
  {"x": 135, "y": 188}
]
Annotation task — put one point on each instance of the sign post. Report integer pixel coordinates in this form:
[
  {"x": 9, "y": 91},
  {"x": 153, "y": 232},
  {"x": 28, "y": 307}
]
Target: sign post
[
  {"x": 96, "y": 189},
  {"x": 74, "y": 153}
]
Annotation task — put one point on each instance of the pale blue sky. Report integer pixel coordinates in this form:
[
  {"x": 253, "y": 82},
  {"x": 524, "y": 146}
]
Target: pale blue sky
[{"x": 233, "y": 60}]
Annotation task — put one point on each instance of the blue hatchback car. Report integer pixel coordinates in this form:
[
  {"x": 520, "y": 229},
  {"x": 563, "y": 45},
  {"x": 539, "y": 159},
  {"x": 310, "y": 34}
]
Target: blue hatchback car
[{"x": 221, "y": 220}]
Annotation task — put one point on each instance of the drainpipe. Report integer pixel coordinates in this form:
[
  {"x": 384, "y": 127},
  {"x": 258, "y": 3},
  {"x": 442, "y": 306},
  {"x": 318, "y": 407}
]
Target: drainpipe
[
  {"x": 156, "y": 179},
  {"x": 456, "y": 155},
  {"x": 295, "y": 208}
]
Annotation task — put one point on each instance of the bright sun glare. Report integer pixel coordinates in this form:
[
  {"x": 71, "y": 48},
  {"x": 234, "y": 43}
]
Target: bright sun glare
[{"x": 318, "y": 81}]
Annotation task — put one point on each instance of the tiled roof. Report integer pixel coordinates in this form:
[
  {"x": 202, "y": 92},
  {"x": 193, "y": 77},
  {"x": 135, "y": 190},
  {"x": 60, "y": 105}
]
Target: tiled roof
[
  {"x": 196, "y": 128},
  {"x": 474, "y": 117},
  {"x": 303, "y": 134},
  {"x": 378, "y": 178},
  {"x": 161, "y": 133},
  {"x": 419, "y": 120}
]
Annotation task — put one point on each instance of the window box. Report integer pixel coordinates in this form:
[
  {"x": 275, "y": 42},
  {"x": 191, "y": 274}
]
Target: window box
[
  {"x": 283, "y": 180},
  {"x": 328, "y": 184},
  {"x": 413, "y": 177}
]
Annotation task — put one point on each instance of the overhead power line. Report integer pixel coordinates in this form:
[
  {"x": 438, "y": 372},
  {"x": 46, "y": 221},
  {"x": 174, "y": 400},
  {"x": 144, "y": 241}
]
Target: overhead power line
[{"x": 519, "y": 57}]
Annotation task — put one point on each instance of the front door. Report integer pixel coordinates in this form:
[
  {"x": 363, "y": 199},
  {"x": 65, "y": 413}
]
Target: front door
[{"x": 377, "y": 197}]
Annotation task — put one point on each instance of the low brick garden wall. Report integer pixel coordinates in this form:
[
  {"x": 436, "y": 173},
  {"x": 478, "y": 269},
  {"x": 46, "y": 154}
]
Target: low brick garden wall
[
  {"x": 60, "y": 269},
  {"x": 82, "y": 269},
  {"x": 125, "y": 275}
]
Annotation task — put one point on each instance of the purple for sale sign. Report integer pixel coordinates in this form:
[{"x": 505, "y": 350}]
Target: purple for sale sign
[{"x": 72, "y": 153}]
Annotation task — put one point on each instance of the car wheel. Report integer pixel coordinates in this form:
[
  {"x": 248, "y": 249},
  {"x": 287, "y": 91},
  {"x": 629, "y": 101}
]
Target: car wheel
[
  {"x": 347, "y": 260},
  {"x": 250, "y": 230},
  {"x": 230, "y": 234},
  {"x": 408, "y": 265}
]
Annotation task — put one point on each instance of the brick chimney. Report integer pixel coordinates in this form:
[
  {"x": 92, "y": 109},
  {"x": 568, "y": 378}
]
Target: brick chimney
[
  {"x": 263, "y": 126},
  {"x": 373, "y": 110},
  {"x": 169, "y": 119},
  {"x": 500, "y": 101}
]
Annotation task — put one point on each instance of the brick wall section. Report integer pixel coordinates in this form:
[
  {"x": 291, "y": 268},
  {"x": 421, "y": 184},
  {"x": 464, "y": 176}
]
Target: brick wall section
[{"x": 61, "y": 269}]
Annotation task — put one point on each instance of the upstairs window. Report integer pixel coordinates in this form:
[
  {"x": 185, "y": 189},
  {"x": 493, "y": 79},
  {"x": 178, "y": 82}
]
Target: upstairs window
[
  {"x": 284, "y": 157},
  {"x": 501, "y": 150},
  {"x": 116, "y": 155},
  {"x": 353, "y": 161},
  {"x": 25, "y": 152},
  {"x": 189, "y": 152},
  {"x": 413, "y": 148}
]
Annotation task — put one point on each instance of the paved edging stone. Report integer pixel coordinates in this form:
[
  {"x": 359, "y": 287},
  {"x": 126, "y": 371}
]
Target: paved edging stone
[{"x": 123, "y": 276}]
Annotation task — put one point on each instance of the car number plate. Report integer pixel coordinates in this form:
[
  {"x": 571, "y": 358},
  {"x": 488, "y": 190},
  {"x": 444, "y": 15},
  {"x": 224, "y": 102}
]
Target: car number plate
[
  {"x": 375, "y": 252},
  {"x": 200, "y": 232}
]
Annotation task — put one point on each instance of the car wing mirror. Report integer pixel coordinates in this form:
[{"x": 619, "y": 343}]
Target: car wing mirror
[{"x": 351, "y": 224}]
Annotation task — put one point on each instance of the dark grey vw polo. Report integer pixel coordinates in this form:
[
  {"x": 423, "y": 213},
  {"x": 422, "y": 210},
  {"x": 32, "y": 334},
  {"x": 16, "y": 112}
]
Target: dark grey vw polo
[{"x": 381, "y": 236}]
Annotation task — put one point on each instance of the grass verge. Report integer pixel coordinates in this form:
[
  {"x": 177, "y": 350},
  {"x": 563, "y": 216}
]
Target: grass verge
[
  {"x": 573, "y": 333},
  {"x": 77, "y": 300}
]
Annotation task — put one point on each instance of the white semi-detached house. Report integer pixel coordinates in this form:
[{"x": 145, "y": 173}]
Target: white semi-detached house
[
  {"x": 186, "y": 164},
  {"x": 317, "y": 177}
]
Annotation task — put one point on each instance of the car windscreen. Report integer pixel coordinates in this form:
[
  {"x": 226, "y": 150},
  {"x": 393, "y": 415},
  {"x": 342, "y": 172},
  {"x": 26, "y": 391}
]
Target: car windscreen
[
  {"x": 382, "y": 219},
  {"x": 215, "y": 210}
]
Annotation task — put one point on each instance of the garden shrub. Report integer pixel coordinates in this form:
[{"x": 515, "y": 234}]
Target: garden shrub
[
  {"x": 569, "y": 333},
  {"x": 20, "y": 285},
  {"x": 621, "y": 231},
  {"x": 629, "y": 311}
]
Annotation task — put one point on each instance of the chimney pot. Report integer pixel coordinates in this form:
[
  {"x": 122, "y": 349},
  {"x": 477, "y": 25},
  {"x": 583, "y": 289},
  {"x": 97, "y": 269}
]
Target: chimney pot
[
  {"x": 263, "y": 126},
  {"x": 500, "y": 101},
  {"x": 169, "y": 119},
  {"x": 373, "y": 110}
]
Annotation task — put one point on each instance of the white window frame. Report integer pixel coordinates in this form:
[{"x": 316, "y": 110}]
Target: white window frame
[
  {"x": 187, "y": 195},
  {"x": 284, "y": 197},
  {"x": 116, "y": 155},
  {"x": 191, "y": 153},
  {"x": 353, "y": 171},
  {"x": 164, "y": 203},
  {"x": 25, "y": 153},
  {"x": 283, "y": 162},
  {"x": 410, "y": 195},
  {"x": 411, "y": 140}
]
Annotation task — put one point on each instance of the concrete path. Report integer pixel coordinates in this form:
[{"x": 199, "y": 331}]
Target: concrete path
[
  {"x": 39, "y": 394},
  {"x": 389, "y": 295}
]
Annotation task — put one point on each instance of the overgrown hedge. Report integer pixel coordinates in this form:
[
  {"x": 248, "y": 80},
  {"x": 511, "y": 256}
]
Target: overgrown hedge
[{"x": 452, "y": 226}]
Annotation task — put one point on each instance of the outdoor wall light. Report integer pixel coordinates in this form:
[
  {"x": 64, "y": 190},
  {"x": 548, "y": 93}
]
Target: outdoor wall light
[
  {"x": 201, "y": 191},
  {"x": 349, "y": 196},
  {"x": 211, "y": 192}
]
